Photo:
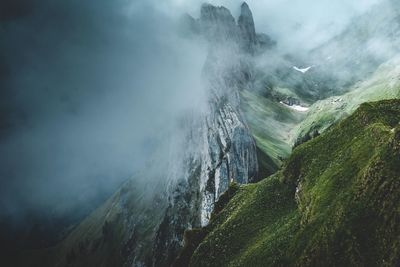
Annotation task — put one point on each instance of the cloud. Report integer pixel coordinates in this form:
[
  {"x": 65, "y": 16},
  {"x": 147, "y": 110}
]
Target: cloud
[{"x": 87, "y": 88}]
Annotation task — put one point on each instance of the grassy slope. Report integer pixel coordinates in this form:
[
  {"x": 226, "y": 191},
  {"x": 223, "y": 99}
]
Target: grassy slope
[
  {"x": 345, "y": 211},
  {"x": 270, "y": 123},
  {"x": 384, "y": 84}
]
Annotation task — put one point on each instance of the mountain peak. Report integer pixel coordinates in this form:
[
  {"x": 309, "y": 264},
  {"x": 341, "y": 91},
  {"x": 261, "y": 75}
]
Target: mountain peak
[
  {"x": 246, "y": 16},
  {"x": 247, "y": 28},
  {"x": 217, "y": 23},
  {"x": 245, "y": 7},
  {"x": 209, "y": 11}
]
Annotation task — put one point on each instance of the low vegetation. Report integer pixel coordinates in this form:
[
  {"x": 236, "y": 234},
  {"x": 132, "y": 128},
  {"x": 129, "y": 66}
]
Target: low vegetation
[{"x": 334, "y": 203}]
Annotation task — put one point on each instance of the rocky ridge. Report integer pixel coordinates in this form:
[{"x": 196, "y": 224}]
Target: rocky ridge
[{"x": 145, "y": 226}]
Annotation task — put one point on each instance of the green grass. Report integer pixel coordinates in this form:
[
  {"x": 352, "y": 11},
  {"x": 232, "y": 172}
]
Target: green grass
[
  {"x": 335, "y": 202},
  {"x": 270, "y": 123}
]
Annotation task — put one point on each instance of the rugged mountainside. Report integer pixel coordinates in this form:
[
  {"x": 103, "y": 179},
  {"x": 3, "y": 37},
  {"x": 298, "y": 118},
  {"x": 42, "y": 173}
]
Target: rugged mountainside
[
  {"x": 357, "y": 66},
  {"x": 370, "y": 40},
  {"x": 144, "y": 226},
  {"x": 332, "y": 68},
  {"x": 335, "y": 203},
  {"x": 308, "y": 212},
  {"x": 218, "y": 25},
  {"x": 383, "y": 84}
]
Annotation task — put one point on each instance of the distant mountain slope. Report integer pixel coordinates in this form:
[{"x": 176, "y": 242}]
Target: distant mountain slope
[
  {"x": 271, "y": 124},
  {"x": 383, "y": 84},
  {"x": 353, "y": 55},
  {"x": 335, "y": 203},
  {"x": 368, "y": 41}
]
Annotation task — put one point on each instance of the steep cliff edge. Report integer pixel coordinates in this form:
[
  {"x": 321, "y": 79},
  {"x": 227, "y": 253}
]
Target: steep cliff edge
[
  {"x": 143, "y": 225},
  {"x": 335, "y": 203}
]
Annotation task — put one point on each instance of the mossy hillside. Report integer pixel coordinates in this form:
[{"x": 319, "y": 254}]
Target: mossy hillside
[
  {"x": 237, "y": 226},
  {"x": 193, "y": 237},
  {"x": 328, "y": 194},
  {"x": 383, "y": 84},
  {"x": 335, "y": 203},
  {"x": 270, "y": 123}
]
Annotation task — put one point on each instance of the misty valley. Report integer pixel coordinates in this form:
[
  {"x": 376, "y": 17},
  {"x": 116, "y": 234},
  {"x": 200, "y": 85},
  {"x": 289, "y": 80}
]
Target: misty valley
[{"x": 182, "y": 133}]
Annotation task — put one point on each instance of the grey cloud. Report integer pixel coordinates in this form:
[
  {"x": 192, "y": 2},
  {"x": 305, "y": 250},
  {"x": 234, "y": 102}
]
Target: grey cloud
[{"x": 87, "y": 88}]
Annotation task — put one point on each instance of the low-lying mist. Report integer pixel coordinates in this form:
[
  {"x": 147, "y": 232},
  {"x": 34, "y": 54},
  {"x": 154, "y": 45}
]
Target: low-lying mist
[{"x": 88, "y": 90}]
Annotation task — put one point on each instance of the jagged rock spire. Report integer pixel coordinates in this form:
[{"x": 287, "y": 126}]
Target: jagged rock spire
[
  {"x": 217, "y": 23},
  {"x": 247, "y": 28}
]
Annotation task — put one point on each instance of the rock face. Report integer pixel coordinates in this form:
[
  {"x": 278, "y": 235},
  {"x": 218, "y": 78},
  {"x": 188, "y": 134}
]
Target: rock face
[
  {"x": 218, "y": 25},
  {"x": 214, "y": 150},
  {"x": 231, "y": 157},
  {"x": 227, "y": 152},
  {"x": 247, "y": 28}
]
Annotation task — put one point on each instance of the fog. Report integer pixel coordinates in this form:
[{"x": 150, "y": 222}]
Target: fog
[
  {"x": 297, "y": 24},
  {"x": 89, "y": 88}
]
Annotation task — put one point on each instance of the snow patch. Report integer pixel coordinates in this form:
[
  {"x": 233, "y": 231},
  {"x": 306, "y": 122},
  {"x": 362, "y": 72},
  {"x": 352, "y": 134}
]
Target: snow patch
[
  {"x": 302, "y": 70},
  {"x": 296, "y": 107}
]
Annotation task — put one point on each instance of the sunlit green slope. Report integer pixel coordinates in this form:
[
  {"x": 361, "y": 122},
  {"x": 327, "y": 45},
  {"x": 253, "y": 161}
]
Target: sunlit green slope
[{"x": 334, "y": 203}]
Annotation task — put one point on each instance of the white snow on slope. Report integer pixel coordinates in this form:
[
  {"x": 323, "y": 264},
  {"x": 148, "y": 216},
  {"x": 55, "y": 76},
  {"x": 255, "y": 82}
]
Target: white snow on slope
[
  {"x": 302, "y": 70},
  {"x": 296, "y": 107}
]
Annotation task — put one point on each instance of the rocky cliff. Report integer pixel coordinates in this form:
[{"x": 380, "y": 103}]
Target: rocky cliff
[
  {"x": 227, "y": 152},
  {"x": 145, "y": 226}
]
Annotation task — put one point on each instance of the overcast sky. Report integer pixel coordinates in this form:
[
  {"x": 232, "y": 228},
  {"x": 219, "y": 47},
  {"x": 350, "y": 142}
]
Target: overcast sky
[{"x": 87, "y": 85}]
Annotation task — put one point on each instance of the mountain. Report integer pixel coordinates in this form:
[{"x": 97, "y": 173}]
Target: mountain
[
  {"x": 368, "y": 41},
  {"x": 383, "y": 84},
  {"x": 356, "y": 66},
  {"x": 352, "y": 56},
  {"x": 143, "y": 225},
  {"x": 334, "y": 194},
  {"x": 334, "y": 201},
  {"x": 271, "y": 123},
  {"x": 333, "y": 204},
  {"x": 218, "y": 25}
]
